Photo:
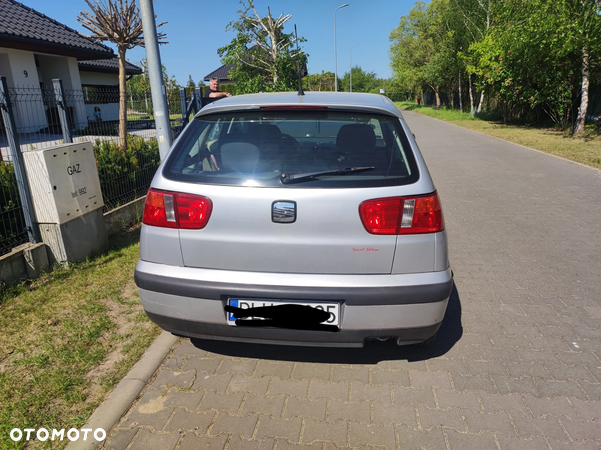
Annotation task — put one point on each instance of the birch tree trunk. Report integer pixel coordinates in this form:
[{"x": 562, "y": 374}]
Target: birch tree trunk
[
  {"x": 481, "y": 101},
  {"x": 580, "y": 120},
  {"x": 471, "y": 95},
  {"x": 460, "y": 99}
]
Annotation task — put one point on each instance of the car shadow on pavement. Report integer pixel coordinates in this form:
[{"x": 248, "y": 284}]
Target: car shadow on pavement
[{"x": 373, "y": 352}]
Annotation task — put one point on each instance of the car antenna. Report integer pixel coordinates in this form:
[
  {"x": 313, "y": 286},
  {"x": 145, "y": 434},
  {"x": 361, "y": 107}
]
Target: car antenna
[{"x": 300, "y": 78}]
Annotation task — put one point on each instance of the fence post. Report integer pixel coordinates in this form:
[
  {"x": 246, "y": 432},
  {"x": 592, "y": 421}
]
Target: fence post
[
  {"x": 62, "y": 110},
  {"x": 182, "y": 100},
  {"x": 198, "y": 92},
  {"x": 18, "y": 164}
]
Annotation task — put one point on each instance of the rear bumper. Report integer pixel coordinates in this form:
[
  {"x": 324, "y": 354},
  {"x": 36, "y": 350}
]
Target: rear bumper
[
  {"x": 190, "y": 302},
  {"x": 343, "y": 338}
]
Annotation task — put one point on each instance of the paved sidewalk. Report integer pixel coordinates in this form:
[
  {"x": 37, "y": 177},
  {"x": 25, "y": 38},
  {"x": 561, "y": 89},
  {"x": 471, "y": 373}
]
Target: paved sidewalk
[{"x": 516, "y": 365}]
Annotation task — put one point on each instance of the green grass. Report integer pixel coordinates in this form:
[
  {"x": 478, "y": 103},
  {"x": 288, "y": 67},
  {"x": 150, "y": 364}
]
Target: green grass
[
  {"x": 66, "y": 339},
  {"x": 135, "y": 117},
  {"x": 585, "y": 149}
]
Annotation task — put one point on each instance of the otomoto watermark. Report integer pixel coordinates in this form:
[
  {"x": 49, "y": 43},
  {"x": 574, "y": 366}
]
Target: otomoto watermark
[{"x": 43, "y": 434}]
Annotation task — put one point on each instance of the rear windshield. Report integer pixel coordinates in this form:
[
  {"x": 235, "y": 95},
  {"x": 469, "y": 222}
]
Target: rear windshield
[{"x": 293, "y": 148}]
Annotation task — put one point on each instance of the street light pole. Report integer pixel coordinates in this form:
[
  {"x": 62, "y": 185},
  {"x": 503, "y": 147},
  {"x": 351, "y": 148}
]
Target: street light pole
[
  {"x": 351, "y": 64},
  {"x": 335, "y": 54},
  {"x": 155, "y": 75}
]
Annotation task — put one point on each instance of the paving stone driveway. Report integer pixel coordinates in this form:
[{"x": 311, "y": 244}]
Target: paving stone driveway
[{"x": 516, "y": 365}]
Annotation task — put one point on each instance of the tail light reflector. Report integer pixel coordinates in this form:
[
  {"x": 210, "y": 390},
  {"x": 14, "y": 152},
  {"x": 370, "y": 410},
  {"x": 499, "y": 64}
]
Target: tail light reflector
[
  {"x": 402, "y": 215},
  {"x": 176, "y": 210}
]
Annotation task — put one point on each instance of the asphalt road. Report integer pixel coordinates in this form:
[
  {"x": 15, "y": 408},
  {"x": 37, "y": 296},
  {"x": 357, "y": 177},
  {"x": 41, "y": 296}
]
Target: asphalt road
[{"x": 516, "y": 365}]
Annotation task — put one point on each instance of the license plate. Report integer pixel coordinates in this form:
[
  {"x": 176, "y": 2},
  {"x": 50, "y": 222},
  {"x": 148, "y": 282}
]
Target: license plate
[{"x": 332, "y": 308}]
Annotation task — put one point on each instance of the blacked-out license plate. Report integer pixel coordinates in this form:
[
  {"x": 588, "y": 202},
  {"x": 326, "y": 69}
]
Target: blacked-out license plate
[{"x": 332, "y": 308}]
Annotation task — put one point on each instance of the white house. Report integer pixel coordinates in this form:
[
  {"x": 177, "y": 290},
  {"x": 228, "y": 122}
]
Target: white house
[{"x": 35, "y": 49}]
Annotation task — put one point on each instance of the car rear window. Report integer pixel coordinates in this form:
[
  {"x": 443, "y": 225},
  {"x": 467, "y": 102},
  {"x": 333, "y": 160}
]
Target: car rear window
[{"x": 262, "y": 148}]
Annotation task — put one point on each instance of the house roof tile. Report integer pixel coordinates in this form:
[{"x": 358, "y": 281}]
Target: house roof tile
[
  {"x": 26, "y": 29},
  {"x": 108, "y": 65},
  {"x": 222, "y": 73}
]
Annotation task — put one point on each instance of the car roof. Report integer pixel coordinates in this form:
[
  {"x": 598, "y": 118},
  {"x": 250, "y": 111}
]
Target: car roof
[{"x": 356, "y": 101}]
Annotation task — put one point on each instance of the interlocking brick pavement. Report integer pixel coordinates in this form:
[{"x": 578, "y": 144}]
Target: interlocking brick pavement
[{"x": 516, "y": 365}]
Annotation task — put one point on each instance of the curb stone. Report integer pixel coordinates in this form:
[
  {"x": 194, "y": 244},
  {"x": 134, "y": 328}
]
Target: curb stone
[{"x": 120, "y": 399}]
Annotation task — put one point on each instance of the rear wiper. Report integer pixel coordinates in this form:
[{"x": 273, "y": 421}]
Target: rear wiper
[{"x": 290, "y": 178}]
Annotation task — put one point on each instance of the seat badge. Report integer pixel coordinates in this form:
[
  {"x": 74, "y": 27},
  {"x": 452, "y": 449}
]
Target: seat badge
[{"x": 283, "y": 211}]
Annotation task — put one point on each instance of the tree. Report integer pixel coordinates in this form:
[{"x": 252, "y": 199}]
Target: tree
[
  {"x": 264, "y": 57},
  {"x": 138, "y": 87},
  {"x": 119, "y": 22},
  {"x": 536, "y": 56},
  {"x": 323, "y": 81},
  {"x": 409, "y": 50},
  {"x": 362, "y": 81},
  {"x": 539, "y": 55},
  {"x": 421, "y": 52},
  {"x": 139, "y": 84},
  {"x": 172, "y": 92},
  {"x": 474, "y": 18},
  {"x": 191, "y": 83},
  {"x": 430, "y": 49},
  {"x": 584, "y": 20}
]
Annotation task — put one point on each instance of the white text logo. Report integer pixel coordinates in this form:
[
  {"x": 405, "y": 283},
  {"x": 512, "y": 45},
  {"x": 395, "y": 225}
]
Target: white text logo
[{"x": 43, "y": 434}]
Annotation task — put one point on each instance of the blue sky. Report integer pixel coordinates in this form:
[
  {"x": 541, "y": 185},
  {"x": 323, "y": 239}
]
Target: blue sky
[{"x": 196, "y": 29}]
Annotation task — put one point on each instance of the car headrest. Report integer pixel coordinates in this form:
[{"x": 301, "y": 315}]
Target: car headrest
[
  {"x": 239, "y": 156},
  {"x": 265, "y": 133},
  {"x": 355, "y": 135}
]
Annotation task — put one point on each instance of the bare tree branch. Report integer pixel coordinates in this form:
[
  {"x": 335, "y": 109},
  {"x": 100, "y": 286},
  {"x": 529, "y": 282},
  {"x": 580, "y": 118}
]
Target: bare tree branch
[{"x": 119, "y": 22}]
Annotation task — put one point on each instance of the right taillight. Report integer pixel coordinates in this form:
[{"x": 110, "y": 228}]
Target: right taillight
[
  {"x": 402, "y": 215},
  {"x": 176, "y": 210}
]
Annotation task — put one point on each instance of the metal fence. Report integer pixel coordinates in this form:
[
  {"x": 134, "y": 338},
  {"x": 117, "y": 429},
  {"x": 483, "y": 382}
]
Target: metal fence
[
  {"x": 13, "y": 231},
  {"x": 44, "y": 117}
]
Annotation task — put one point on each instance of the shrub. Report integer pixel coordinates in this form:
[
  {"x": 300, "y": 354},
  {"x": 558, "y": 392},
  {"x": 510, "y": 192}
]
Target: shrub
[{"x": 126, "y": 174}]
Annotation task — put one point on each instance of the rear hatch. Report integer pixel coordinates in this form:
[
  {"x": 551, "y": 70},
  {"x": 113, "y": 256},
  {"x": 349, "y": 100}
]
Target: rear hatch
[
  {"x": 326, "y": 235},
  {"x": 282, "y": 191}
]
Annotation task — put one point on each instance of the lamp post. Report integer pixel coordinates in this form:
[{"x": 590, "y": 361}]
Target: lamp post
[
  {"x": 351, "y": 64},
  {"x": 155, "y": 73},
  {"x": 335, "y": 54}
]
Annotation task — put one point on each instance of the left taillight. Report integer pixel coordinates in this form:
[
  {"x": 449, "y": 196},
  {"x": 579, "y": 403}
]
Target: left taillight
[{"x": 176, "y": 210}]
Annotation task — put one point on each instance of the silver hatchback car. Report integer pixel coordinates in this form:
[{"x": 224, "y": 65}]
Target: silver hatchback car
[{"x": 295, "y": 219}]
